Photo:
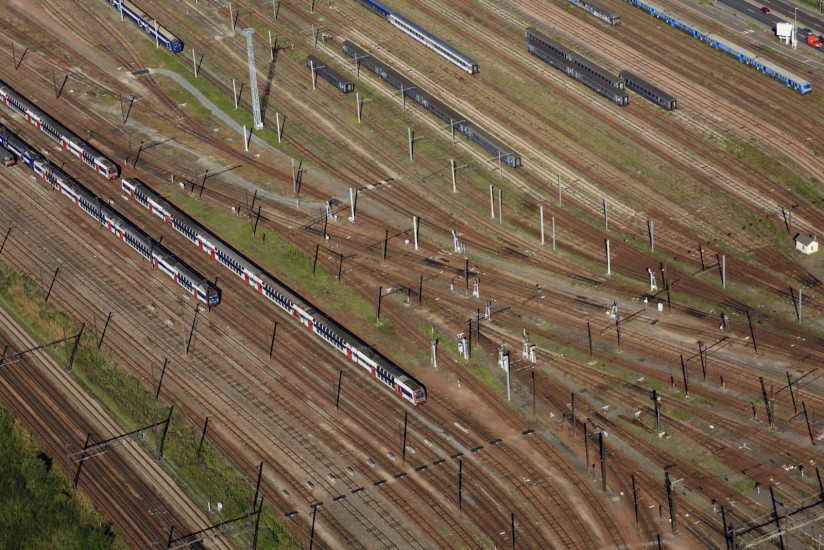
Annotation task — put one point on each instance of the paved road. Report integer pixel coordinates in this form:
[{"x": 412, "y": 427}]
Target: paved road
[
  {"x": 782, "y": 12},
  {"x": 229, "y": 121}
]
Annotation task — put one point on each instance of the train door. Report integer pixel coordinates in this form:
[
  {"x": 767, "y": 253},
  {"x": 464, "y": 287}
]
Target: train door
[{"x": 348, "y": 352}]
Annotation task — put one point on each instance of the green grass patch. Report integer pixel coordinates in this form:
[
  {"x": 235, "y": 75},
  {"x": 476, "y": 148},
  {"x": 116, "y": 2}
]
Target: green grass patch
[
  {"x": 38, "y": 509},
  {"x": 210, "y": 476}
]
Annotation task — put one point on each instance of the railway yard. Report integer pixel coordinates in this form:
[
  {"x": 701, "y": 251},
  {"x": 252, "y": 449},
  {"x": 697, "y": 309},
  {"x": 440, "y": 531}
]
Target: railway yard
[{"x": 557, "y": 315}]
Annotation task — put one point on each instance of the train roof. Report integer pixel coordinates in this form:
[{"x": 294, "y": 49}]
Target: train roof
[
  {"x": 91, "y": 151},
  {"x": 182, "y": 217},
  {"x": 18, "y": 143},
  {"x": 605, "y": 73},
  {"x": 756, "y": 59},
  {"x": 626, "y": 75},
  {"x": 427, "y": 34},
  {"x": 138, "y": 11},
  {"x": 598, "y": 7},
  {"x": 654, "y": 6},
  {"x": 731, "y": 46},
  {"x": 778, "y": 70}
]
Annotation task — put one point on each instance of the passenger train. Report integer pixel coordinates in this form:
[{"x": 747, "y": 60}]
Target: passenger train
[
  {"x": 581, "y": 69},
  {"x": 601, "y": 13},
  {"x": 329, "y": 75},
  {"x": 306, "y": 314},
  {"x": 19, "y": 149},
  {"x": 194, "y": 283},
  {"x": 648, "y": 91},
  {"x": 789, "y": 79},
  {"x": 148, "y": 23},
  {"x": 59, "y": 133},
  {"x": 423, "y": 36},
  {"x": 505, "y": 154}
]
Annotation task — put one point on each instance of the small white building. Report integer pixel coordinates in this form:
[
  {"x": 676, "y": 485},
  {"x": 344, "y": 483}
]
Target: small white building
[{"x": 806, "y": 244}]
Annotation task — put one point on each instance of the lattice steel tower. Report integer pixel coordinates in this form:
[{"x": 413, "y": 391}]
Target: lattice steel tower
[{"x": 250, "y": 52}]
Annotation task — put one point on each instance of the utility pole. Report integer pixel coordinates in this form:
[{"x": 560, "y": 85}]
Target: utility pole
[{"x": 670, "y": 499}]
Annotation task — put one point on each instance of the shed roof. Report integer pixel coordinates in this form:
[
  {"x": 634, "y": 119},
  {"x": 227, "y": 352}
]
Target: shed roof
[{"x": 804, "y": 239}]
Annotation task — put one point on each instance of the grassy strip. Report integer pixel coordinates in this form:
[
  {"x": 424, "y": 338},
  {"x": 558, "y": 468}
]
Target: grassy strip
[
  {"x": 207, "y": 477},
  {"x": 38, "y": 510}
]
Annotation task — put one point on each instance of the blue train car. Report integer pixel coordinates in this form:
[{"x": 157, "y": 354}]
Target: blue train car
[
  {"x": 148, "y": 23},
  {"x": 423, "y": 36},
  {"x": 18, "y": 148},
  {"x": 764, "y": 66},
  {"x": 376, "y": 8}
]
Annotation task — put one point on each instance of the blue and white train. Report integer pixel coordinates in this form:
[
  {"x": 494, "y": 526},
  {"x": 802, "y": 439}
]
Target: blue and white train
[
  {"x": 303, "y": 312},
  {"x": 19, "y": 149},
  {"x": 59, "y": 133},
  {"x": 106, "y": 216},
  {"x": 423, "y": 36},
  {"x": 762, "y": 65},
  {"x": 149, "y": 24}
]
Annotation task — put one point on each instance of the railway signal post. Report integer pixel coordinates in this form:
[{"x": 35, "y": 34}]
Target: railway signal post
[
  {"x": 403, "y": 91},
  {"x": 606, "y": 215},
  {"x": 54, "y": 278},
  {"x": 278, "y": 127},
  {"x": 202, "y": 436},
  {"x": 3, "y": 244},
  {"x": 272, "y": 344},
  {"x": 560, "y": 192},
  {"x": 460, "y": 487},
  {"x": 412, "y": 140},
  {"x": 337, "y": 397},
  {"x": 103, "y": 332},
  {"x": 162, "y": 374},
  {"x": 609, "y": 271},
  {"x": 76, "y": 344}
]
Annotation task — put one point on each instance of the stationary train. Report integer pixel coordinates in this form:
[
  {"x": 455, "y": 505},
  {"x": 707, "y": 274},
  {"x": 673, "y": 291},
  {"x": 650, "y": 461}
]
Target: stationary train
[
  {"x": 331, "y": 76},
  {"x": 648, "y": 91},
  {"x": 762, "y": 65},
  {"x": 59, "y": 133},
  {"x": 423, "y": 36},
  {"x": 581, "y": 69},
  {"x": 18, "y": 149},
  {"x": 305, "y": 313},
  {"x": 601, "y": 13},
  {"x": 148, "y": 23},
  {"x": 106, "y": 216},
  {"x": 433, "y": 105}
]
